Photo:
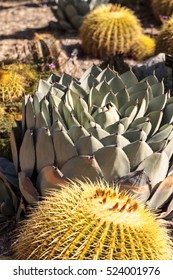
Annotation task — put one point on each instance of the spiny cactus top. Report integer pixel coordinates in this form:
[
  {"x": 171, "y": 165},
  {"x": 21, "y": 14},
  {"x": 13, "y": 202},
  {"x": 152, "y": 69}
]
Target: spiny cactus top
[
  {"x": 162, "y": 8},
  {"x": 109, "y": 29},
  {"x": 70, "y": 13},
  {"x": 92, "y": 222}
]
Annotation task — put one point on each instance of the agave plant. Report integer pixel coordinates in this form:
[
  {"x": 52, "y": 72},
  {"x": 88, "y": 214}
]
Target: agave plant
[
  {"x": 104, "y": 125},
  {"x": 70, "y": 13}
]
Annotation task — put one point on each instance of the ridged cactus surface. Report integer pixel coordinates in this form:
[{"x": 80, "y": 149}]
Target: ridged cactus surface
[
  {"x": 87, "y": 221},
  {"x": 164, "y": 39},
  {"x": 162, "y": 8},
  {"x": 109, "y": 29},
  {"x": 70, "y": 13}
]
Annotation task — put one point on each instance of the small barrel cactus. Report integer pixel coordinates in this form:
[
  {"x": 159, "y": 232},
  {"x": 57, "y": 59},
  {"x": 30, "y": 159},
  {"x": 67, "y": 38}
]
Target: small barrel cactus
[
  {"x": 162, "y": 8},
  {"x": 109, "y": 29},
  {"x": 143, "y": 47},
  {"x": 92, "y": 222},
  {"x": 15, "y": 80},
  {"x": 11, "y": 86},
  {"x": 164, "y": 39},
  {"x": 48, "y": 51}
]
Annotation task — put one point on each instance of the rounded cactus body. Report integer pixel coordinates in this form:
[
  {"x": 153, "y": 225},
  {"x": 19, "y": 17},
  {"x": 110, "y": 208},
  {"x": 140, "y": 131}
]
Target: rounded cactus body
[
  {"x": 92, "y": 222},
  {"x": 15, "y": 80},
  {"x": 11, "y": 86},
  {"x": 164, "y": 39},
  {"x": 162, "y": 8},
  {"x": 109, "y": 29},
  {"x": 143, "y": 47}
]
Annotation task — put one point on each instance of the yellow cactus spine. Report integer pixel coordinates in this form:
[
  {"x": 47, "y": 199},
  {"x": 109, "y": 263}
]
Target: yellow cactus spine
[
  {"x": 143, "y": 47},
  {"x": 109, "y": 29},
  {"x": 11, "y": 86},
  {"x": 92, "y": 221}
]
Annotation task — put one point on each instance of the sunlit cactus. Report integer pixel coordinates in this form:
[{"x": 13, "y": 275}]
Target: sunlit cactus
[
  {"x": 109, "y": 29},
  {"x": 87, "y": 221},
  {"x": 143, "y": 47},
  {"x": 12, "y": 86}
]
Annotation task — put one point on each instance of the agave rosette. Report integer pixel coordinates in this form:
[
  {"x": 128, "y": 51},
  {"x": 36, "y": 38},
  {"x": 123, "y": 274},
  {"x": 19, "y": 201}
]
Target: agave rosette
[{"x": 103, "y": 125}]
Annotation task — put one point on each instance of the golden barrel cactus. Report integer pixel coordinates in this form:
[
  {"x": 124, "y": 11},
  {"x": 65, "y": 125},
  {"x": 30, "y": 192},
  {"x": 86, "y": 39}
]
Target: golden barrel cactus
[
  {"x": 143, "y": 47},
  {"x": 109, "y": 29},
  {"x": 164, "y": 39},
  {"x": 162, "y": 8},
  {"x": 11, "y": 85},
  {"x": 92, "y": 221},
  {"x": 15, "y": 80}
]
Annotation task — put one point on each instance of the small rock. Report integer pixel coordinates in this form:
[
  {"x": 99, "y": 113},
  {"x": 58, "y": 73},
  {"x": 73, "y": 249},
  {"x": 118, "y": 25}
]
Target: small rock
[{"x": 156, "y": 65}]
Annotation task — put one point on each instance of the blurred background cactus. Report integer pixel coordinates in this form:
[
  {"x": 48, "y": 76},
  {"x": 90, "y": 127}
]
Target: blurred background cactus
[
  {"x": 47, "y": 50},
  {"x": 162, "y": 8},
  {"x": 164, "y": 38},
  {"x": 70, "y": 13},
  {"x": 109, "y": 29},
  {"x": 105, "y": 224},
  {"x": 12, "y": 85},
  {"x": 9, "y": 114},
  {"x": 16, "y": 80}
]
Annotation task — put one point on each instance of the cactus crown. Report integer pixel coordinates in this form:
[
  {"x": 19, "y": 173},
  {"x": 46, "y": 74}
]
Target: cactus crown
[
  {"x": 109, "y": 29},
  {"x": 92, "y": 221}
]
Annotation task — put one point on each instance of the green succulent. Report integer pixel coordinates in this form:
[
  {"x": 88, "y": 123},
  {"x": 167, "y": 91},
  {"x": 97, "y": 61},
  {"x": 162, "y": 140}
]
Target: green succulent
[
  {"x": 92, "y": 221},
  {"x": 70, "y": 13},
  {"x": 103, "y": 125}
]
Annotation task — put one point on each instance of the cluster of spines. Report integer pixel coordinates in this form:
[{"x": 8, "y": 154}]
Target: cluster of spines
[
  {"x": 92, "y": 221},
  {"x": 109, "y": 29}
]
